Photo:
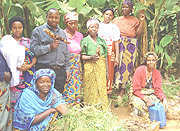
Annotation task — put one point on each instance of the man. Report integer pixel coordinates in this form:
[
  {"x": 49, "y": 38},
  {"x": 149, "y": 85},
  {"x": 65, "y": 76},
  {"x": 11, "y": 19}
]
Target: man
[{"x": 52, "y": 53}]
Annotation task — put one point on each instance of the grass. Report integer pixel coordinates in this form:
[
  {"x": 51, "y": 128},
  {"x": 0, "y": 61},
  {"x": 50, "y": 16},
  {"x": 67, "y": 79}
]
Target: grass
[{"x": 88, "y": 118}]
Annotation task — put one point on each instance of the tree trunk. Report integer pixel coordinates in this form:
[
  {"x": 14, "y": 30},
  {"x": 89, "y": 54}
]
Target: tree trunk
[
  {"x": 178, "y": 31},
  {"x": 27, "y": 27}
]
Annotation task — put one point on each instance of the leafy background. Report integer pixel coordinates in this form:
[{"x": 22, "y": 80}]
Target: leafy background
[{"x": 161, "y": 32}]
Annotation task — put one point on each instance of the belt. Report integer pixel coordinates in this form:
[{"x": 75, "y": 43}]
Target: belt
[
  {"x": 55, "y": 67},
  {"x": 50, "y": 66}
]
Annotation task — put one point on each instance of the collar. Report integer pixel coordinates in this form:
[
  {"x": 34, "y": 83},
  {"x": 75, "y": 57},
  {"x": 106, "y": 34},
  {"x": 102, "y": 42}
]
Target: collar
[
  {"x": 75, "y": 34},
  {"x": 57, "y": 28}
]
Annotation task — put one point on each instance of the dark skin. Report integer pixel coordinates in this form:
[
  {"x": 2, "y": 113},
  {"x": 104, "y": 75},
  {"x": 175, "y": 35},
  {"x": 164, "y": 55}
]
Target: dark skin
[
  {"x": 126, "y": 10},
  {"x": 150, "y": 64},
  {"x": 44, "y": 84},
  {"x": 108, "y": 16},
  {"x": 53, "y": 21},
  {"x": 7, "y": 76},
  {"x": 71, "y": 27},
  {"x": 93, "y": 30},
  {"x": 17, "y": 30}
]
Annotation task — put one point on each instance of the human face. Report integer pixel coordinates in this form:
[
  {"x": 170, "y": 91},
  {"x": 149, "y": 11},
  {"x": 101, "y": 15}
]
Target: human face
[
  {"x": 53, "y": 18},
  {"x": 44, "y": 85},
  {"x": 72, "y": 25},
  {"x": 93, "y": 29},
  {"x": 17, "y": 29},
  {"x": 108, "y": 15},
  {"x": 151, "y": 62},
  {"x": 126, "y": 9}
]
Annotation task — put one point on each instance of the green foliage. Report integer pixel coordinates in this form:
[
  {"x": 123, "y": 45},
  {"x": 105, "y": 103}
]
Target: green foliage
[
  {"x": 171, "y": 89},
  {"x": 88, "y": 118}
]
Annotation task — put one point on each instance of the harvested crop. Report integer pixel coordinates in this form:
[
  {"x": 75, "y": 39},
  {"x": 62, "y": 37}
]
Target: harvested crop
[{"x": 88, "y": 118}]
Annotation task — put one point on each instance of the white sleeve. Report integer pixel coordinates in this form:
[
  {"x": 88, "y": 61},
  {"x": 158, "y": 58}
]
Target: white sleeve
[{"x": 116, "y": 33}]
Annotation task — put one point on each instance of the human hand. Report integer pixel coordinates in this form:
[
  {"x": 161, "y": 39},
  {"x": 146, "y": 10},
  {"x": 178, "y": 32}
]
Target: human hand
[
  {"x": 148, "y": 101},
  {"x": 141, "y": 17},
  {"x": 116, "y": 62},
  {"x": 68, "y": 76},
  {"x": 95, "y": 57},
  {"x": 24, "y": 67},
  {"x": 165, "y": 104},
  {"x": 7, "y": 76},
  {"x": 54, "y": 44},
  {"x": 53, "y": 110}
]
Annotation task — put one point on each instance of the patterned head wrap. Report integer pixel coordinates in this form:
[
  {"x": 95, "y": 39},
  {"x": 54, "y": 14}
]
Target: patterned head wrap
[
  {"x": 146, "y": 55},
  {"x": 14, "y": 19},
  {"x": 70, "y": 16},
  {"x": 91, "y": 21},
  {"x": 39, "y": 73},
  {"x": 128, "y": 2}
]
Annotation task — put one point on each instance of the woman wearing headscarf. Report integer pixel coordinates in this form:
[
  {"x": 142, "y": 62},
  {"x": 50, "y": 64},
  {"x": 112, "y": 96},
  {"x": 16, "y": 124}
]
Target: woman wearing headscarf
[
  {"x": 19, "y": 58},
  {"x": 129, "y": 27},
  {"x": 110, "y": 33},
  {"x": 146, "y": 86},
  {"x": 72, "y": 88},
  {"x": 37, "y": 105},
  {"x": 94, "y": 53},
  {"x": 5, "y": 107}
]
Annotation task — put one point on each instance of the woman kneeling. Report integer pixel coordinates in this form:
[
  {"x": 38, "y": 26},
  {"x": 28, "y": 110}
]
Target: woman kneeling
[
  {"x": 37, "y": 105},
  {"x": 146, "y": 84}
]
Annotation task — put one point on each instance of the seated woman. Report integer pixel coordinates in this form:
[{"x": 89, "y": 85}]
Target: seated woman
[
  {"x": 146, "y": 85},
  {"x": 37, "y": 105}
]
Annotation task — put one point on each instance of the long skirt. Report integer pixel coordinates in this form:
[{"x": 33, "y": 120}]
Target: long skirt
[
  {"x": 139, "y": 107},
  {"x": 127, "y": 56},
  {"x": 72, "y": 89},
  {"x": 94, "y": 83},
  {"x": 111, "y": 57},
  {"x": 5, "y": 107},
  {"x": 16, "y": 90}
]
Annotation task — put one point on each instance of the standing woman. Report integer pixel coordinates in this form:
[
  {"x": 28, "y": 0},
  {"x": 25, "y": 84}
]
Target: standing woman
[
  {"x": 129, "y": 27},
  {"x": 94, "y": 53},
  {"x": 110, "y": 33},
  {"x": 73, "y": 87},
  {"x": 19, "y": 58},
  {"x": 5, "y": 108}
]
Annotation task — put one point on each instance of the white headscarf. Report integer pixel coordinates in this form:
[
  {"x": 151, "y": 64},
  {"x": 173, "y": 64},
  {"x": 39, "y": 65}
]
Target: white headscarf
[{"x": 91, "y": 21}]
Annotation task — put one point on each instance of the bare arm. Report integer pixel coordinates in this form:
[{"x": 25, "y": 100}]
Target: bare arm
[
  {"x": 62, "y": 109},
  {"x": 87, "y": 58},
  {"x": 141, "y": 25},
  {"x": 40, "y": 117}
]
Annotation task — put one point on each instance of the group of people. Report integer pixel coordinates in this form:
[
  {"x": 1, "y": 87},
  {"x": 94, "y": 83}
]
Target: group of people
[{"x": 42, "y": 76}]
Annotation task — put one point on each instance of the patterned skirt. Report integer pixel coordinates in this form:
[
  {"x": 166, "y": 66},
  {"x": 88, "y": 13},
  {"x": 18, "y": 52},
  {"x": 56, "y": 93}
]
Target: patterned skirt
[
  {"x": 72, "y": 89},
  {"x": 5, "y": 108},
  {"x": 139, "y": 107},
  {"x": 94, "y": 83},
  {"x": 127, "y": 55}
]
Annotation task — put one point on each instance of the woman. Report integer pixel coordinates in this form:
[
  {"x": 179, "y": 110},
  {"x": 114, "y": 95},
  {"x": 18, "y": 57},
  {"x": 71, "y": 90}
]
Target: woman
[
  {"x": 110, "y": 33},
  {"x": 5, "y": 108},
  {"x": 19, "y": 58},
  {"x": 146, "y": 85},
  {"x": 73, "y": 87},
  {"x": 129, "y": 27},
  {"x": 37, "y": 105},
  {"x": 94, "y": 52}
]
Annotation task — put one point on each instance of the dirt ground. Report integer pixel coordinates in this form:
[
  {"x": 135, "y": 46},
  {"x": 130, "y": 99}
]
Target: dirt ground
[{"x": 124, "y": 112}]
